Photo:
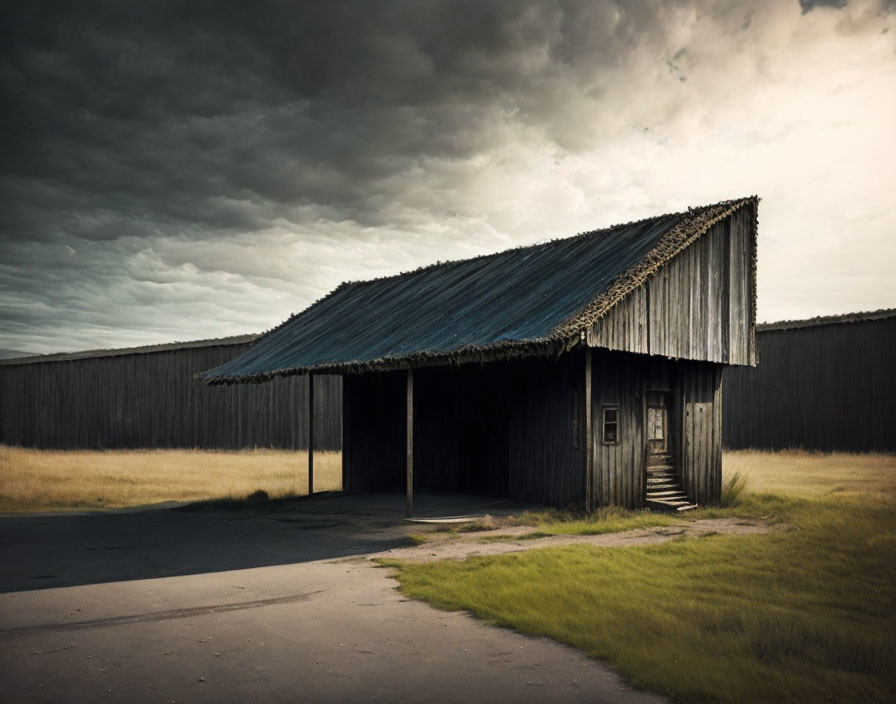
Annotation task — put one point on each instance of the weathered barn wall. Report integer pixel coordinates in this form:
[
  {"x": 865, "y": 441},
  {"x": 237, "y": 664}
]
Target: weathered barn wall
[
  {"x": 546, "y": 440},
  {"x": 697, "y": 420},
  {"x": 817, "y": 386},
  {"x": 517, "y": 428},
  {"x": 152, "y": 400},
  {"x": 619, "y": 380},
  {"x": 622, "y": 380},
  {"x": 698, "y": 306}
]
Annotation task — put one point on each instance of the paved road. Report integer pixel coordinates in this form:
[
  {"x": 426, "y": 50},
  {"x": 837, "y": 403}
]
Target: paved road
[{"x": 165, "y": 606}]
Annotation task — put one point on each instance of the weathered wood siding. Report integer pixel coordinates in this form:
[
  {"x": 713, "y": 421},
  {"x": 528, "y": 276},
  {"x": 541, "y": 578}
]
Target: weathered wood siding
[
  {"x": 826, "y": 387},
  {"x": 546, "y": 417},
  {"x": 697, "y": 425},
  {"x": 619, "y": 380},
  {"x": 694, "y": 439},
  {"x": 516, "y": 428},
  {"x": 698, "y": 306},
  {"x": 622, "y": 380},
  {"x": 152, "y": 400}
]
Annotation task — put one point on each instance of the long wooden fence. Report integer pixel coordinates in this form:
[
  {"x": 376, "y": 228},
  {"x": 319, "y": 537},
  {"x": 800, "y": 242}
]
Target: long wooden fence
[
  {"x": 823, "y": 384},
  {"x": 147, "y": 397}
]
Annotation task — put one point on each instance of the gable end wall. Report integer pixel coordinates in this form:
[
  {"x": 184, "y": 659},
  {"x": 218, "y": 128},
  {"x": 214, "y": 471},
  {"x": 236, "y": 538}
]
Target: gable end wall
[{"x": 698, "y": 306}]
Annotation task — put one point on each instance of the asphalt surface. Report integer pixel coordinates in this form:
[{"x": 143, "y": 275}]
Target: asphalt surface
[{"x": 256, "y": 606}]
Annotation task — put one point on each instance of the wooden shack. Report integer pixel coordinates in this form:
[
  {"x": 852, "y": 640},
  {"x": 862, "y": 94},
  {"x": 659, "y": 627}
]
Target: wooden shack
[{"x": 584, "y": 371}]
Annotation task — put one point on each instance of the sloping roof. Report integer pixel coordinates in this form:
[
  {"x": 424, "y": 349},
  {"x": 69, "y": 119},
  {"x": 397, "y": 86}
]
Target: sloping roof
[
  {"x": 123, "y": 351},
  {"x": 861, "y": 317},
  {"x": 521, "y": 302}
]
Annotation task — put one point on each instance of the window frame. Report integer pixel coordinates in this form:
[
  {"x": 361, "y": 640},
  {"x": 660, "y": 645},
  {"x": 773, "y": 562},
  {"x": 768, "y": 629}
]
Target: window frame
[{"x": 604, "y": 422}]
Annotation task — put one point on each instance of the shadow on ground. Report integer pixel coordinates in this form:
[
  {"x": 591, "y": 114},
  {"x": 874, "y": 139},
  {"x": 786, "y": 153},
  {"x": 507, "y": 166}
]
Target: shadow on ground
[{"x": 39, "y": 552}]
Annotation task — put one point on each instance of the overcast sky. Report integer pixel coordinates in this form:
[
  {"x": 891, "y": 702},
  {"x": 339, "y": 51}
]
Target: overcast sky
[{"x": 183, "y": 171}]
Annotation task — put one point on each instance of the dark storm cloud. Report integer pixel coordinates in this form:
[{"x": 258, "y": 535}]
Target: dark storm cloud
[
  {"x": 170, "y": 164},
  {"x": 131, "y": 124},
  {"x": 126, "y": 116}
]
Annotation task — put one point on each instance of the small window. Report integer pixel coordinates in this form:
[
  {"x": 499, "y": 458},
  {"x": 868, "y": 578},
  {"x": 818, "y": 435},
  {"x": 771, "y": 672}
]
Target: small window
[{"x": 611, "y": 425}]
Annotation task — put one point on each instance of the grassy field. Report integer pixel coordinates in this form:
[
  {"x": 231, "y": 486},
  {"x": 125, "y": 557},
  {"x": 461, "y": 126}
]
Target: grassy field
[
  {"x": 37, "y": 480},
  {"x": 805, "y": 613},
  {"x": 815, "y": 474}
]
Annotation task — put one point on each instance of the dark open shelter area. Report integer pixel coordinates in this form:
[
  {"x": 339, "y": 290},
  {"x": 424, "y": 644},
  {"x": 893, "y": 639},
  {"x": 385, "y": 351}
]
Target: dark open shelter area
[{"x": 585, "y": 371}]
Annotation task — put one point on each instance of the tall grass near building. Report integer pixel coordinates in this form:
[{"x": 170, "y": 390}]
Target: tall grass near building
[{"x": 39, "y": 480}]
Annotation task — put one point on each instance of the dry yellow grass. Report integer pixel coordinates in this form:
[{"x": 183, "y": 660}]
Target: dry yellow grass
[
  {"x": 814, "y": 474},
  {"x": 37, "y": 480}
]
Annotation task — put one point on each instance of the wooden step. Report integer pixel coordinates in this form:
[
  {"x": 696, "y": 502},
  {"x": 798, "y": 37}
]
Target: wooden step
[
  {"x": 666, "y": 494},
  {"x": 689, "y": 507},
  {"x": 674, "y": 504},
  {"x": 664, "y": 490},
  {"x": 669, "y": 502}
]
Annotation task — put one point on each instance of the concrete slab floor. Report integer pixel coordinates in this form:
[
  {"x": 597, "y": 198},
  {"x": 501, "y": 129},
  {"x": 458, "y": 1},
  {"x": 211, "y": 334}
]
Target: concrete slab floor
[{"x": 216, "y": 606}]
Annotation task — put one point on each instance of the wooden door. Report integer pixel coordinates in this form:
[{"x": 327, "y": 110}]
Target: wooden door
[{"x": 657, "y": 422}]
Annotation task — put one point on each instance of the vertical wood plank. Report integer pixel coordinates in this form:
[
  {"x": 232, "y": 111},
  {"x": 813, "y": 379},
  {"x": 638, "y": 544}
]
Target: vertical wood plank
[
  {"x": 310, "y": 435},
  {"x": 589, "y": 438},
  {"x": 410, "y": 443}
]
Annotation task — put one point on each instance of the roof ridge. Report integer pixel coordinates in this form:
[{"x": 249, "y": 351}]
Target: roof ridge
[
  {"x": 677, "y": 239},
  {"x": 125, "y": 351},
  {"x": 840, "y": 318}
]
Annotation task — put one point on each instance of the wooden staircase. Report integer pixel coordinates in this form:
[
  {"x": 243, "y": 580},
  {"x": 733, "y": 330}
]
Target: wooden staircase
[{"x": 664, "y": 490}]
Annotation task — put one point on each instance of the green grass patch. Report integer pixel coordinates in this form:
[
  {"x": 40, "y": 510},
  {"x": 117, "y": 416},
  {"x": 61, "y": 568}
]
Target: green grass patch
[
  {"x": 552, "y": 521},
  {"x": 802, "y": 614},
  {"x": 606, "y": 520}
]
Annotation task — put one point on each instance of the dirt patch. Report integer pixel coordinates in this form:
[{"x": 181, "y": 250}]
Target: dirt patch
[{"x": 464, "y": 545}]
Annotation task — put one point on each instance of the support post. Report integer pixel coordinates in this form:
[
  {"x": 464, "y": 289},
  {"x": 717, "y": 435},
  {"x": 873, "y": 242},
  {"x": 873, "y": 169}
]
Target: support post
[
  {"x": 310, "y": 435},
  {"x": 410, "y": 444},
  {"x": 589, "y": 437}
]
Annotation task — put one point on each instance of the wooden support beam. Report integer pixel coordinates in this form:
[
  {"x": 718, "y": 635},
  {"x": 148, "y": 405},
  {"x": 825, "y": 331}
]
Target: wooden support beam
[
  {"x": 589, "y": 437},
  {"x": 310, "y": 434},
  {"x": 410, "y": 444}
]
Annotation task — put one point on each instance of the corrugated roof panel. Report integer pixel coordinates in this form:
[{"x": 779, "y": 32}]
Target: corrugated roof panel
[{"x": 505, "y": 299}]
